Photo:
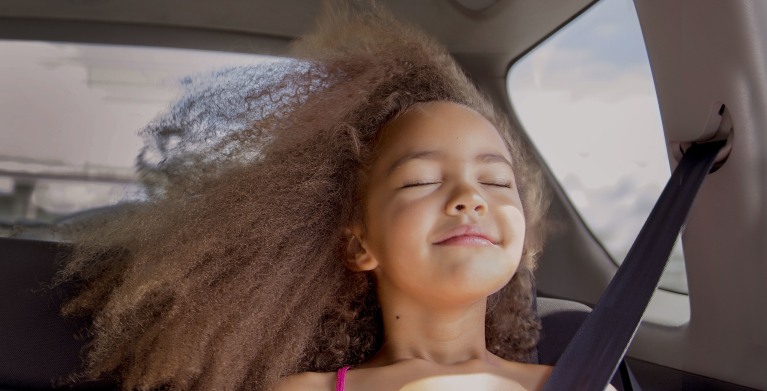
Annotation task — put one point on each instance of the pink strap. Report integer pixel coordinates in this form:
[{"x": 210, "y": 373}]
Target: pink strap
[{"x": 341, "y": 378}]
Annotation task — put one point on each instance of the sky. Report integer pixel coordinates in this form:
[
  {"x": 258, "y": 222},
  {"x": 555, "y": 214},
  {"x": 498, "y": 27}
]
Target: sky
[
  {"x": 585, "y": 97},
  {"x": 76, "y": 109},
  {"x": 85, "y": 104},
  {"x": 94, "y": 99},
  {"x": 587, "y": 100}
]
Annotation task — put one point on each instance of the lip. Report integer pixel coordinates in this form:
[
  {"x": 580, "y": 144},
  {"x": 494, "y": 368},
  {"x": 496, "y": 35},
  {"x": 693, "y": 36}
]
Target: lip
[{"x": 466, "y": 235}]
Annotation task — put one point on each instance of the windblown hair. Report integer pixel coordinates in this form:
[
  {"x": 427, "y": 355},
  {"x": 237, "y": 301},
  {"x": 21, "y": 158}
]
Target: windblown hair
[{"x": 231, "y": 275}]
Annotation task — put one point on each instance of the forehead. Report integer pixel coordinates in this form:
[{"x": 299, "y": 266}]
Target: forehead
[{"x": 440, "y": 125}]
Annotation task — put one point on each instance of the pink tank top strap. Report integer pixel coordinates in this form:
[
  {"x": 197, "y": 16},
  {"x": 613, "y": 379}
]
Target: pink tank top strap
[{"x": 341, "y": 378}]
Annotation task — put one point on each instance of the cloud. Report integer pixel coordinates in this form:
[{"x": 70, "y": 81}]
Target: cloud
[{"x": 589, "y": 105}]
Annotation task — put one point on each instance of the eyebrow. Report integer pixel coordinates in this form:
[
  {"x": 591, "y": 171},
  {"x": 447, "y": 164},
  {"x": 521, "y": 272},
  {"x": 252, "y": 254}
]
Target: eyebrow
[
  {"x": 435, "y": 155},
  {"x": 493, "y": 158},
  {"x": 425, "y": 155}
]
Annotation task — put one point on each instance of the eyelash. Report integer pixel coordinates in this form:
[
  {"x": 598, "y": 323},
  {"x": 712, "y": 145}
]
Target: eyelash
[
  {"x": 419, "y": 183},
  {"x": 498, "y": 184},
  {"x": 424, "y": 183}
]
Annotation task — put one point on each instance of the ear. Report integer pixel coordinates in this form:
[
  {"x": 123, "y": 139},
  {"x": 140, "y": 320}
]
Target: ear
[{"x": 358, "y": 257}]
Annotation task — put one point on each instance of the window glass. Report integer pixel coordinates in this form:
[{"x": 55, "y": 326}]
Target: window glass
[
  {"x": 71, "y": 116},
  {"x": 586, "y": 98}
]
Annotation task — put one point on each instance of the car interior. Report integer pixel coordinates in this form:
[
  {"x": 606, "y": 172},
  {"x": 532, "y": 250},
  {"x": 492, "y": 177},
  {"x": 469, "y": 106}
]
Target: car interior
[{"x": 709, "y": 73}]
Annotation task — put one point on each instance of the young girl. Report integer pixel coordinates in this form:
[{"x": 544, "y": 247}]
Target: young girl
[
  {"x": 442, "y": 228},
  {"x": 362, "y": 219}
]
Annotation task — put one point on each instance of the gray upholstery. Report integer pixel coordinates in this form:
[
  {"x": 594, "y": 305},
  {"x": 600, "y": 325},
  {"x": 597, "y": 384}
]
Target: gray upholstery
[{"x": 560, "y": 320}]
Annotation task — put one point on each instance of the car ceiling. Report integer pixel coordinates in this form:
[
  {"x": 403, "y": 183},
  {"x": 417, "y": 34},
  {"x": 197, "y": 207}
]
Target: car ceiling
[{"x": 504, "y": 30}]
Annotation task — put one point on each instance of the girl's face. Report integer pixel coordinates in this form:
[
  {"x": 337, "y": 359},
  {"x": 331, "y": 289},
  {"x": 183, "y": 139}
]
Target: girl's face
[{"x": 443, "y": 220}]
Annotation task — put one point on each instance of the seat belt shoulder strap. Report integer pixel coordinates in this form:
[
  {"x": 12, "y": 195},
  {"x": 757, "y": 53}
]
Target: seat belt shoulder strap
[{"x": 592, "y": 356}]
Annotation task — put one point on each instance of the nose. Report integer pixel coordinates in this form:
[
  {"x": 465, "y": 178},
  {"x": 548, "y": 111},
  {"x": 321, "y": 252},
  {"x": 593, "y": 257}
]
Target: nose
[{"x": 466, "y": 200}]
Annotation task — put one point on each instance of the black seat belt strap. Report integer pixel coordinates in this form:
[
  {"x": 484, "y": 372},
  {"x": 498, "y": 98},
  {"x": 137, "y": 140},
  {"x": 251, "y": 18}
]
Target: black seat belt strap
[
  {"x": 627, "y": 377},
  {"x": 592, "y": 356}
]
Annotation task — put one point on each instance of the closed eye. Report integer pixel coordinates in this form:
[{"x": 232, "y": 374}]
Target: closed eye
[
  {"x": 506, "y": 184},
  {"x": 420, "y": 183}
]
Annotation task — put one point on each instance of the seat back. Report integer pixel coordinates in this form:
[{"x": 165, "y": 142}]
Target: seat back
[
  {"x": 560, "y": 319},
  {"x": 38, "y": 347}
]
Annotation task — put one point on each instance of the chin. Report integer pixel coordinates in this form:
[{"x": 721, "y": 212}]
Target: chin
[{"x": 476, "y": 287}]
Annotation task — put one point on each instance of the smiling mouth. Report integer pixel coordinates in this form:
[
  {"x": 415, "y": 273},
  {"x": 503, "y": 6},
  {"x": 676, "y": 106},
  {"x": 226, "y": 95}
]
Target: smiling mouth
[
  {"x": 466, "y": 240},
  {"x": 466, "y": 235}
]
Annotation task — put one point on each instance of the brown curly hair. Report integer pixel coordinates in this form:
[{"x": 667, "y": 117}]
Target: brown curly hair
[{"x": 231, "y": 275}]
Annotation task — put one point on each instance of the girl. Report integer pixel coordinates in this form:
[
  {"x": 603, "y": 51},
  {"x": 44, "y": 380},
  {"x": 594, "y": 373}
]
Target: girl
[
  {"x": 362, "y": 208},
  {"x": 442, "y": 228}
]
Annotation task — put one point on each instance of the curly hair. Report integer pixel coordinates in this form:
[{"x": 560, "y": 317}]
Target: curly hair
[{"x": 231, "y": 275}]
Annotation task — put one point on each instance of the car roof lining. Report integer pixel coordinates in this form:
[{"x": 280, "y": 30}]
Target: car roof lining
[{"x": 506, "y": 30}]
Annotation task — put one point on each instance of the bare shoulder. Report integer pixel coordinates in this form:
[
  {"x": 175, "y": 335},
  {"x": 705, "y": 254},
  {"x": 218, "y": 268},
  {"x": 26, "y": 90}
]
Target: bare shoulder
[
  {"x": 534, "y": 376},
  {"x": 308, "y": 381},
  {"x": 531, "y": 376}
]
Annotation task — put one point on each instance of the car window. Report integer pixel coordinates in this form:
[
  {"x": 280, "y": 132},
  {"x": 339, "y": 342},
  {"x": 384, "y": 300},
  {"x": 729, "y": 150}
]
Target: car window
[
  {"x": 586, "y": 98},
  {"x": 71, "y": 116}
]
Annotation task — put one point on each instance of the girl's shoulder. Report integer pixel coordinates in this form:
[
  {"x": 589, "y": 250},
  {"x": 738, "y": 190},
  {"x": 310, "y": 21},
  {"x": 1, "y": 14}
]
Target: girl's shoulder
[
  {"x": 416, "y": 374},
  {"x": 531, "y": 376},
  {"x": 307, "y": 381}
]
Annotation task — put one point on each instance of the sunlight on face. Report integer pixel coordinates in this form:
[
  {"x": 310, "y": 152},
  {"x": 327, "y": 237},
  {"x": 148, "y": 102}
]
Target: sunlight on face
[{"x": 444, "y": 222}]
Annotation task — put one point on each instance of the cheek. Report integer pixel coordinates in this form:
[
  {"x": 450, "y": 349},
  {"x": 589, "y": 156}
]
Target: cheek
[
  {"x": 515, "y": 228},
  {"x": 400, "y": 241},
  {"x": 394, "y": 225},
  {"x": 408, "y": 224}
]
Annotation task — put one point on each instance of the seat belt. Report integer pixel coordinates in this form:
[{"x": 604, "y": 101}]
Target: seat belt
[{"x": 592, "y": 356}]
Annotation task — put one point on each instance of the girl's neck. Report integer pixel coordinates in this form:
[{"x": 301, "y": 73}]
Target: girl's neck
[{"x": 443, "y": 336}]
